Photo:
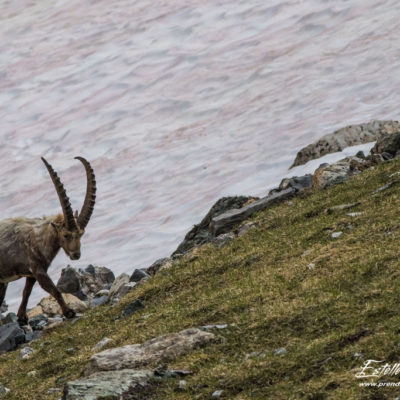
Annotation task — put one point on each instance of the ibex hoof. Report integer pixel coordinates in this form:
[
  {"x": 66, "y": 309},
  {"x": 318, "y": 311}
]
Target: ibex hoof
[
  {"x": 22, "y": 321},
  {"x": 70, "y": 314}
]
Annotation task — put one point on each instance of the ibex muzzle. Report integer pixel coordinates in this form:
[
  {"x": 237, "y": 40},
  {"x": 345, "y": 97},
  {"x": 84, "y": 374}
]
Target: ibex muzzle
[{"x": 29, "y": 245}]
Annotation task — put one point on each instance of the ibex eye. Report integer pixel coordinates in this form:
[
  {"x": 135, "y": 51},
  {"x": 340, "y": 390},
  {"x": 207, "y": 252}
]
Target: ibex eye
[{"x": 67, "y": 236}]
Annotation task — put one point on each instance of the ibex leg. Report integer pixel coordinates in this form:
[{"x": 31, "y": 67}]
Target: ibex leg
[
  {"x": 22, "y": 318},
  {"x": 3, "y": 289},
  {"x": 47, "y": 284}
]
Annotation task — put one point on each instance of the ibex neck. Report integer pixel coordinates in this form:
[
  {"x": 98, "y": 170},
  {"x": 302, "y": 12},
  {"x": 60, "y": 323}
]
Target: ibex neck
[{"x": 47, "y": 245}]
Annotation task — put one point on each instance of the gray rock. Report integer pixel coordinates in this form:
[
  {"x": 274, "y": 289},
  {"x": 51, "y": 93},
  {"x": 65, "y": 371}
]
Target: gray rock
[
  {"x": 360, "y": 154},
  {"x": 201, "y": 233},
  {"x": 217, "y": 394},
  {"x": 345, "y": 137},
  {"x": 99, "y": 301},
  {"x": 10, "y": 318},
  {"x": 103, "y": 292},
  {"x": 280, "y": 351},
  {"x": 25, "y": 353},
  {"x": 244, "y": 228},
  {"x": 118, "y": 286},
  {"x": 132, "y": 307},
  {"x": 84, "y": 283},
  {"x": 157, "y": 265},
  {"x": 335, "y": 235},
  {"x": 213, "y": 326},
  {"x": 387, "y": 186},
  {"x": 227, "y": 221},
  {"x": 11, "y": 335},
  {"x": 138, "y": 275},
  {"x": 157, "y": 350},
  {"x": 182, "y": 385},
  {"x": 3, "y": 390},
  {"x": 338, "y": 172},
  {"x": 3, "y": 307},
  {"x": 103, "y": 343},
  {"x": 223, "y": 239},
  {"x": 106, "y": 385},
  {"x": 39, "y": 322},
  {"x": 388, "y": 143},
  {"x": 299, "y": 183}
]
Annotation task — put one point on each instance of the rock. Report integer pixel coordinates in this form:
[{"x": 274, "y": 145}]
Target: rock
[
  {"x": 3, "y": 307},
  {"x": 25, "y": 353},
  {"x": 53, "y": 390},
  {"x": 84, "y": 284},
  {"x": 51, "y": 307},
  {"x": 138, "y": 275},
  {"x": 360, "y": 154},
  {"x": 348, "y": 136},
  {"x": 171, "y": 373},
  {"x": 98, "y": 301},
  {"x": 11, "y": 335},
  {"x": 182, "y": 385},
  {"x": 118, "y": 286},
  {"x": 354, "y": 214},
  {"x": 223, "y": 239},
  {"x": 244, "y": 228},
  {"x": 376, "y": 158},
  {"x": 299, "y": 183},
  {"x": 388, "y": 143},
  {"x": 38, "y": 322},
  {"x": 217, "y": 394},
  {"x": 106, "y": 385},
  {"x": 280, "y": 351},
  {"x": 3, "y": 390},
  {"x": 103, "y": 343},
  {"x": 132, "y": 307},
  {"x": 32, "y": 373},
  {"x": 338, "y": 172},
  {"x": 227, "y": 221},
  {"x": 387, "y": 186},
  {"x": 157, "y": 350},
  {"x": 342, "y": 207},
  {"x": 10, "y": 318},
  {"x": 311, "y": 266},
  {"x": 201, "y": 234},
  {"x": 155, "y": 267},
  {"x": 214, "y": 326},
  {"x": 336, "y": 235},
  {"x": 32, "y": 336},
  {"x": 34, "y": 312}
]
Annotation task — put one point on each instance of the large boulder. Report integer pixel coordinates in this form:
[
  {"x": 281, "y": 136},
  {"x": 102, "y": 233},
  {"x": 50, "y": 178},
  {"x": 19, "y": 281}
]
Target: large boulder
[
  {"x": 51, "y": 307},
  {"x": 120, "y": 287},
  {"x": 348, "y": 136},
  {"x": 86, "y": 283},
  {"x": 106, "y": 385},
  {"x": 158, "y": 350},
  {"x": 11, "y": 335},
  {"x": 200, "y": 233}
]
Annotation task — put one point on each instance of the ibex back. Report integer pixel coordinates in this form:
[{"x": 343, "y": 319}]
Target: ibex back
[{"x": 29, "y": 245}]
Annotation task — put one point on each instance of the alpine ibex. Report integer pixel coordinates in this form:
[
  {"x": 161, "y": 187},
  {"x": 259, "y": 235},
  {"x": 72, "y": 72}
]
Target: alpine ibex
[{"x": 29, "y": 245}]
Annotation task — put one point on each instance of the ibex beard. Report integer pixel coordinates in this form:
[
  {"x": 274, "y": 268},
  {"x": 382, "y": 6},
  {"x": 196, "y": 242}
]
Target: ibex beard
[{"x": 29, "y": 245}]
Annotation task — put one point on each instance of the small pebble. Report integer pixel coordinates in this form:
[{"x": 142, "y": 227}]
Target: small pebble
[
  {"x": 336, "y": 235},
  {"x": 103, "y": 342},
  {"x": 182, "y": 385},
  {"x": 32, "y": 373},
  {"x": 25, "y": 353},
  {"x": 217, "y": 393},
  {"x": 280, "y": 351},
  {"x": 311, "y": 266}
]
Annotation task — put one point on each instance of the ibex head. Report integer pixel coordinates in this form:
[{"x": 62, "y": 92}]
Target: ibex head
[{"x": 70, "y": 227}]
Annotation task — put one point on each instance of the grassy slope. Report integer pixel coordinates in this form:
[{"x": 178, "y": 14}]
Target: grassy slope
[{"x": 260, "y": 282}]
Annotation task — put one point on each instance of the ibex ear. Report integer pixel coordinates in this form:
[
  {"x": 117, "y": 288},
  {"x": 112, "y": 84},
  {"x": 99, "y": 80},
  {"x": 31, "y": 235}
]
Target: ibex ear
[{"x": 56, "y": 226}]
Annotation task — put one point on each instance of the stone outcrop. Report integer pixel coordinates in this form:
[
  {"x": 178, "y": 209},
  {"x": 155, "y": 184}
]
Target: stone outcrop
[
  {"x": 11, "y": 335},
  {"x": 106, "y": 385},
  {"x": 331, "y": 174},
  {"x": 227, "y": 221},
  {"x": 299, "y": 183},
  {"x": 160, "y": 349},
  {"x": 200, "y": 233},
  {"x": 348, "y": 136}
]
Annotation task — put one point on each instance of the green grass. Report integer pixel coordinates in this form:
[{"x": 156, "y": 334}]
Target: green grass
[{"x": 261, "y": 284}]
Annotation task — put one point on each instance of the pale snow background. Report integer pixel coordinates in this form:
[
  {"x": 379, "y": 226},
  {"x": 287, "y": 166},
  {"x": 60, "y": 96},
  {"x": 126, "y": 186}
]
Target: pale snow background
[{"x": 176, "y": 104}]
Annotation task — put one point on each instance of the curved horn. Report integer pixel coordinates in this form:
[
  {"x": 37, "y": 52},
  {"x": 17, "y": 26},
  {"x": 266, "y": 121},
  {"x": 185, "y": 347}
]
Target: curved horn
[
  {"x": 62, "y": 195},
  {"x": 90, "y": 198}
]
